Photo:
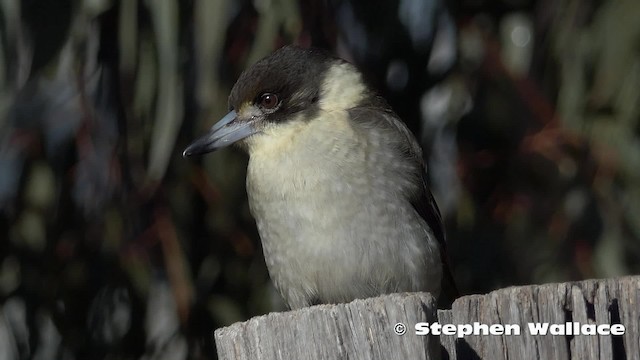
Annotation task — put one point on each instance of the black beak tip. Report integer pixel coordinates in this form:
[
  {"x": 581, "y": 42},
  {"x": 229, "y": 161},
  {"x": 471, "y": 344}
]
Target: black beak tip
[
  {"x": 199, "y": 147},
  {"x": 193, "y": 149}
]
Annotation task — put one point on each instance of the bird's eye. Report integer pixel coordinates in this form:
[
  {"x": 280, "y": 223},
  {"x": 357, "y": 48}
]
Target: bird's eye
[{"x": 268, "y": 100}]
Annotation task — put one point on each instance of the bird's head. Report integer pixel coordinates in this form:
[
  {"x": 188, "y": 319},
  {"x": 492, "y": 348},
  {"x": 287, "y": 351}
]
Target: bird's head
[{"x": 288, "y": 88}]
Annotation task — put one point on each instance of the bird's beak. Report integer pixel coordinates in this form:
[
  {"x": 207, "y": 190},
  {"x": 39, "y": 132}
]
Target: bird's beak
[{"x": 225, "y": 132}]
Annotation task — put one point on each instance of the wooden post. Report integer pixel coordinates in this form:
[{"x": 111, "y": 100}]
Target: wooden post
[
  {"x": 364, "y": 329},
  {"x": 607, "y": 301}
]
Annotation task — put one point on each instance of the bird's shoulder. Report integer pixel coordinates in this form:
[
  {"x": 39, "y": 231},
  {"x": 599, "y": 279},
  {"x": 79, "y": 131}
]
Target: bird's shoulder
[{"x": 376, "y": 114}]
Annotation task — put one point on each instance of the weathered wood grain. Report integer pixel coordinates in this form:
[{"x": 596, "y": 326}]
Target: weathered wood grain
[
  {"x": 363, "y": 329},
  {"x": 608, "y": 301}
]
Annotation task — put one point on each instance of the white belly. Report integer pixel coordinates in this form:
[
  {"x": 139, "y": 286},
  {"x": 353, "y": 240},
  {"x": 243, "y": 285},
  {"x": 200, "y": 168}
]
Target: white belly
[{"x": 317, "y": 255}]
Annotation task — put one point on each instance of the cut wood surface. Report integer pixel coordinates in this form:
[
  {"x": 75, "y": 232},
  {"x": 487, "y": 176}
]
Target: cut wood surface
[{"x": 365, "y": 329}]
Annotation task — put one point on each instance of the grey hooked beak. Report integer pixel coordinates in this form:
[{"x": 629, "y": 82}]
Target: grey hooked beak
[{"x": 224, "y": 133}]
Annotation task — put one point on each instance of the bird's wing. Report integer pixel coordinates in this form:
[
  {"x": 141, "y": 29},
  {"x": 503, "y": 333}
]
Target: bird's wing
[
  {"x": 423, "y": 202},
  {"x": 407, "y": 146}
]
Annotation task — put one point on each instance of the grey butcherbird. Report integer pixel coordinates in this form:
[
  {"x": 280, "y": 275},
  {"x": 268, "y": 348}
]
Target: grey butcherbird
[{"x": 335, "y": 180}]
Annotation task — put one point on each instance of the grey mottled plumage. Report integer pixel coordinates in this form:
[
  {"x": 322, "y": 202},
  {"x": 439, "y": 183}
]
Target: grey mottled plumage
[{"x": 336, "y": 181}]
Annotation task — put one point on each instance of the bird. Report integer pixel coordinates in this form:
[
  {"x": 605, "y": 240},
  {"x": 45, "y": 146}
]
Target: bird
[{"x": 335, "y": 181}]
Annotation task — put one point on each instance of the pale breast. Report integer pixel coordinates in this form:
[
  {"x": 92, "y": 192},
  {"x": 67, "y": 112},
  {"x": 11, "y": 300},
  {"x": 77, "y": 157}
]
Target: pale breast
[{"x": 333, "y": 224}]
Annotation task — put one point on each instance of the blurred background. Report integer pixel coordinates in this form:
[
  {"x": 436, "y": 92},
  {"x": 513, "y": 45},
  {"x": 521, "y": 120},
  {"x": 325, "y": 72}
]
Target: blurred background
[{"x": 115, "y": 247}]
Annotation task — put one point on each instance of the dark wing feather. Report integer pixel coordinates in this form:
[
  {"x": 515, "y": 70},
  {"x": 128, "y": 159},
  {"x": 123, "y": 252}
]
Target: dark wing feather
[{"x": 428, "y": 209}]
